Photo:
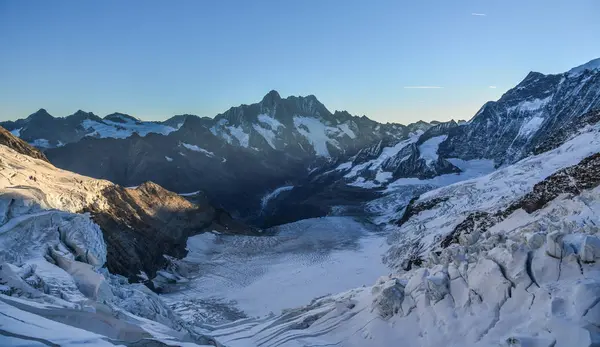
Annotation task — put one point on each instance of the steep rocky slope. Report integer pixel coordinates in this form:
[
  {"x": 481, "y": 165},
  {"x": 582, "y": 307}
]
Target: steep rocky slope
[
  {"x": 142, "y": 225},
  {"x": 9, "y": 140}
]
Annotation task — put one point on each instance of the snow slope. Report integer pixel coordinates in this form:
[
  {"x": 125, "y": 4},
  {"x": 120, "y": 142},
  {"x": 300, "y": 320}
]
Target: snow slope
[
  {"x": 491, "y": 192},
  {"x": 428, "y": 149}
]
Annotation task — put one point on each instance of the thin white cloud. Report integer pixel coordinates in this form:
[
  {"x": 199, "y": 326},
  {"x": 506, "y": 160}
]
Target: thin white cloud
[
  {"x": 478, "y": 14},
  {"x": 423, "y": 87},
  {"x": 492, "y": 87}
]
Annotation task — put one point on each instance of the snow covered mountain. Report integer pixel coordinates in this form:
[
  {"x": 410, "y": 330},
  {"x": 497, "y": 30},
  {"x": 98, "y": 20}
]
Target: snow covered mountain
[
  {"x": 300, "y": 125},
  {"x": 476, "y": 245},
  {"x": 537, "y": 115},
  {"x": 250, "y": 149},
  {"x": 510, "y": 129},
  {"x": 45, "y": 131}
]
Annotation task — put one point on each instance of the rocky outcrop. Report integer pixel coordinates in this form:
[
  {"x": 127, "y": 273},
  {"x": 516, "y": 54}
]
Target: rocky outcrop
[
  {"x": 416, "y": 166},
  {"x": 142, "y": 225},
  {"x": 572, "y": 180},
  {"x": 414, "y": 207},
  {"x": 568, "y": 130},
  {"x": 9, "y": 140}
]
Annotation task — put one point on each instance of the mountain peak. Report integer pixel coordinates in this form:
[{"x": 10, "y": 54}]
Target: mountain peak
[
  {"x": 121, "y": 118},
  {"x": 82, "y": 113},
  {"x": 41, "y": 113},
  {"x": 591, "y": 65},
  {"x": 271, "y": 97}
]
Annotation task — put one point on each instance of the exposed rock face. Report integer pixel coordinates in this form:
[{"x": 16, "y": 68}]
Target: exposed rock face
[
  {"x": 414, "y": 208},
  {"x": 141, "y": 225},
  {"x": 416, "y": 166},
  {"x": 11, "y": 141},
  {"x": 251, "y": 150},
  {"x": 232, "y": 177},
  {"x": 568, "y": 130}
]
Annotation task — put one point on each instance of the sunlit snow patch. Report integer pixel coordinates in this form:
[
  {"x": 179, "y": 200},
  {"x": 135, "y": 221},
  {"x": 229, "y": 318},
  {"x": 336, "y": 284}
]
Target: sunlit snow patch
[
  {"x": 428, "y": 149},
  {"x": 272, "y": 195},
  {"x": 197, "y": 149}
]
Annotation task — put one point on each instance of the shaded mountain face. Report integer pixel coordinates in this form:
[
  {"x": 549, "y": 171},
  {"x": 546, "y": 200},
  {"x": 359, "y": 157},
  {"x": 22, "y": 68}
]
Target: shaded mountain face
[
  {"x": 142, "y": 225},
  {"x": 236, "y": 158},
  {"x": 541, "y": 105},
  {"x": 300, "y": 126}
]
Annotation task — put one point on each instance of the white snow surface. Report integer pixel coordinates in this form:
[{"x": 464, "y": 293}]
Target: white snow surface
[
  {"x": 273, "y": 123},
  {"x": 530, "y": 280},
  {"x": 497, "y": 189},
  {"x": 197, "y": 149},
  {"x": 530, "y": 105},
  {"x": 531, "y": 126},
  {"x": 242, "y": 137},
  {"x": 316, "y": 133},
  {"x": 234, "y": 135},
  {"x": 16, "y": 132},
  {"x": 108, "y": 128},
  {"x": 259, "y": 275},
  {"x": 267, "y": 134},
  {"x": 274, "y": 194},
  {"x": 363, "y": 183},
  {"x": 41, "y": 143},
  {"x": 346, "y": 129},
  {"x": 375, "y": 164},
  {"x": 428, "y": 149},
  {"x": 54, "y": 290}
]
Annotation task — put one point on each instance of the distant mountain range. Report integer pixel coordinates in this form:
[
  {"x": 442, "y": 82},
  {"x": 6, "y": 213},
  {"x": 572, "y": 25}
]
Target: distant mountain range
[
  {"x": 240, "y": 157},
  {"x": 488, "y": 229}
]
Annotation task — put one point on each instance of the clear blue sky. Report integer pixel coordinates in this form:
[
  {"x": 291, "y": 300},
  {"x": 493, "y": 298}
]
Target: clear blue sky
[{"x": 154, "y": 59}]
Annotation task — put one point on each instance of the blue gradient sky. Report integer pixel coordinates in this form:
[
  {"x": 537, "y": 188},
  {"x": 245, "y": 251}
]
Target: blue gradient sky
[{"x": 154, "y": 59}]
